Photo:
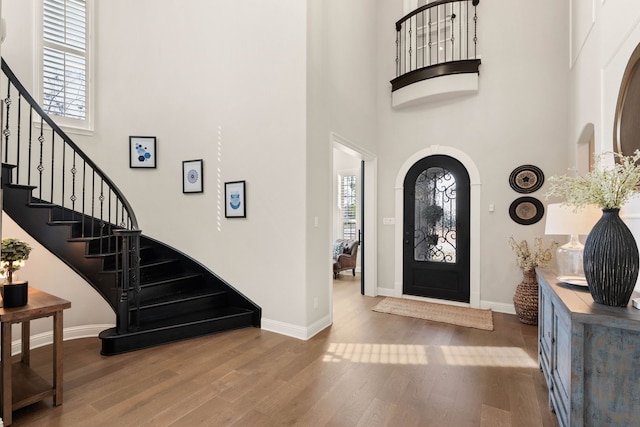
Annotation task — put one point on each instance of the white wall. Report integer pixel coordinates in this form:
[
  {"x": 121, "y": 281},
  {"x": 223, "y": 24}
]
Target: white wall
[
  {"x": 221, "y": 81},
  {"x": 597, "y": 74},
  {"x": 518, "y": 117},
  {"x": 341, "y": 99}
]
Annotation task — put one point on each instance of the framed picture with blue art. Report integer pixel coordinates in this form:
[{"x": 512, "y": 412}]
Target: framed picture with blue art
[
  {"x": 142, "y": 152},
  {"x": 235, "y": 202},
  {"x": 192, "y": 176}
]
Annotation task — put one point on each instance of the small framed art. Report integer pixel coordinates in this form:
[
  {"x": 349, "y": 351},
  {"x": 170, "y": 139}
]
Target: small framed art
[
  {"x": 142, "y": 152},
  {"x": 192, "y": 176},
  {"x": 235, "y": 202}
]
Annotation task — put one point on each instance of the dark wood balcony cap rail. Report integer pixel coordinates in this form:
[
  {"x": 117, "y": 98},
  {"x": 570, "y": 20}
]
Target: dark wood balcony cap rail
[
  {"x": 466, "y": 66},
  {"x": 429, "y": 6}
]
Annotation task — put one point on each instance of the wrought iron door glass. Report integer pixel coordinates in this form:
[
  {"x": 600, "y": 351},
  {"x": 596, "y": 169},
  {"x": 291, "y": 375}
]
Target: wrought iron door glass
[{"x": 435, "y": 216}]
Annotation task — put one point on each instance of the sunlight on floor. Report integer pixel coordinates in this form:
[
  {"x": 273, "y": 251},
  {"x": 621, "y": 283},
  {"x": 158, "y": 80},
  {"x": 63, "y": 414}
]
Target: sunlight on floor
[{"x": 409, "y": 354}]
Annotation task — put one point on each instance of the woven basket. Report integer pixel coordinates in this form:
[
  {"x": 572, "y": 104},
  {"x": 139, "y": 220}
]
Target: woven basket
[{"x": 525, "y": 300}]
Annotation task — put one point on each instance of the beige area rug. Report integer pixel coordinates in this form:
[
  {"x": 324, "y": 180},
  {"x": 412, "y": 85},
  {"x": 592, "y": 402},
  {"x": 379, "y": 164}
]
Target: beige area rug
[{"x": 461, "y": 316}]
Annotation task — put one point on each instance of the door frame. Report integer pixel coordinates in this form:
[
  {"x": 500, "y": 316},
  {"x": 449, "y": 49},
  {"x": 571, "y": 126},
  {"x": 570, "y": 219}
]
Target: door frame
[
  {"x": 370, "y": 211},
  {"x": 474, "y": 222}
]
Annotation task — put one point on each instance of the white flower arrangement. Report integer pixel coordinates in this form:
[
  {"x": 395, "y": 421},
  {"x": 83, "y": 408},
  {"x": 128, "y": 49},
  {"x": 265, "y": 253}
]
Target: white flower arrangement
[
  {"x": 528, "y": 259},
  {"x": 606, "y": 187}
]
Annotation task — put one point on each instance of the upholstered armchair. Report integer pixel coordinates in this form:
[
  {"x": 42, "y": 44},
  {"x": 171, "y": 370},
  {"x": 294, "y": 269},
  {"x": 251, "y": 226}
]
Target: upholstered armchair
[{"x": 345, "y": 253}]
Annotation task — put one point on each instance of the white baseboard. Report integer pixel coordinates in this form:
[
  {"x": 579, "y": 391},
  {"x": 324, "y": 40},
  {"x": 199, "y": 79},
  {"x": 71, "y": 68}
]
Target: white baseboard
[
  {"x": 295, "y": 331},
  {"x": 499, "y": 307},
  {"x": 46, "y": 338}
]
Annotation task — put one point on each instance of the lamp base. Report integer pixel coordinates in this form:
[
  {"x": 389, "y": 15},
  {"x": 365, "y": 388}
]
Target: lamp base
[{"x": 569, "y": 260}]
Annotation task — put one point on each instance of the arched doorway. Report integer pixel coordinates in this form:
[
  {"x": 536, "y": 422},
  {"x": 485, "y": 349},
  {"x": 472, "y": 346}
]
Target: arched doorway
[
  {"x": 474, "y": 219},
  {"x": 436, "y": 251}
]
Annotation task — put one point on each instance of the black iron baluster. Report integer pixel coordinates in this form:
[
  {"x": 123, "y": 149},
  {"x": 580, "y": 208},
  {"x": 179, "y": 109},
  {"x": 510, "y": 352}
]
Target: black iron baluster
[
  {"x": 40, "y": 168},
  {"x": 117, "y": 211},
  {"x": 453, "y": 38},
  {"x": 444, "y": 40},
  {"x": 109, "y": 225},
  {"x": 53, "y": 157},
  {"x": 29, "y": 148},
  {"x": 84, "y": 196},
  {"x": 6, "y": 131},
  {"x": 397, "y": 52},
  {"x": 73, "y": 197},
  {"x": 101, "y": 224},
  {"x": 93, "y": 203},
  {"x": 410, "y": 43},
  {"x": 18, "y": 138},
  {"x": 62, "y": 178},
  {"x": 475, "y": 28}
]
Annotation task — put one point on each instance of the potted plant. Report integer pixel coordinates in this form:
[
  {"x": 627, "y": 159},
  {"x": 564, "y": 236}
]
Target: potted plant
[
  {"x": 12, "y": 255},
  {"x": 610, "y": 255},
  {"x": 525, "y": 299}
]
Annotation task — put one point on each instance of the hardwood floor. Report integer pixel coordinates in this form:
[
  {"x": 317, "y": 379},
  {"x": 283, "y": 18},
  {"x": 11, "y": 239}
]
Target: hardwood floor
[{"x": 368, "y": 369}]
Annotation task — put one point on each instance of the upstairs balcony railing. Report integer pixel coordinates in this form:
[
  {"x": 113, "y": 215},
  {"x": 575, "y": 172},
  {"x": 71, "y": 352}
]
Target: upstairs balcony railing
[{"x": 437, "y": 39}]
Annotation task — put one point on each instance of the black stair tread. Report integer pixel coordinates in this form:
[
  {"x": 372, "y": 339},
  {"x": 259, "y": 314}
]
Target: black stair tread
[
  {"x": 64, "y": 222},
  {"x": 144, "y": 264},
  {"x": 41, "y": 205},
  {"x": 195, "y": 317},
  {"x": 20, "y": 186},
  {"x": 170, "y": 278},
  {"x": 90, "y": 238},
  {"x": 180, "y": 297}
]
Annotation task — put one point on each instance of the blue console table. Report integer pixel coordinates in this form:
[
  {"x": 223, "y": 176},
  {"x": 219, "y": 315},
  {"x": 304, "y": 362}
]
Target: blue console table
[{"x": 590, "y": 356}]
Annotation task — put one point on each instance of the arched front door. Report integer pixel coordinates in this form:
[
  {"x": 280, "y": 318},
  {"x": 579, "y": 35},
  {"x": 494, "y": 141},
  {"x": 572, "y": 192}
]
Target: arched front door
[{"x": 436, "y": 229}]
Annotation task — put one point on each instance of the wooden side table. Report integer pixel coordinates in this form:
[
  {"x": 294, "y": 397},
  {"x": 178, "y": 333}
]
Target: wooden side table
[{"x": 21, "y": 386}]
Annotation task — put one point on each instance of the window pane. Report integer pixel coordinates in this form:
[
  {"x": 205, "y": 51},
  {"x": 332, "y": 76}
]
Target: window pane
[
  {"x": 64, "y": 84},
  {"x": 435, "y": 216},
  {"x": 64, "y": 58},
  {"x": 348, "y": 206}
]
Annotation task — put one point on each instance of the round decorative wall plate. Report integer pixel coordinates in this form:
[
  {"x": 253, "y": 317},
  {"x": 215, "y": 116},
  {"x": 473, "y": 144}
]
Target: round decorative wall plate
[
  {"x": 526, "y": 179},
  {"x": 526, "y": 210}
]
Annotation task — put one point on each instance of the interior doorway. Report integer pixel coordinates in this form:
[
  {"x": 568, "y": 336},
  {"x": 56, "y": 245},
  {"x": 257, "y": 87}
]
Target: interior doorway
[{"x": 354, "y": 164}]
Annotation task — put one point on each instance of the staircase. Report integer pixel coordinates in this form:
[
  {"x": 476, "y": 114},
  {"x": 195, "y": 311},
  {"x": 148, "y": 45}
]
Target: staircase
[{"x": 65, "y": 202}]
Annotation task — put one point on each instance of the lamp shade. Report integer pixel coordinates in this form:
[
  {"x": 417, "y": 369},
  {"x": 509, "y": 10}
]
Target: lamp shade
[{"x": 569, "y": 220}]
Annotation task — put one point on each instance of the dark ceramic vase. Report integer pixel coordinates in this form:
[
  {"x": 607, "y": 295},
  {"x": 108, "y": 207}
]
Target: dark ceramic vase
[{"x": 611, "y": 260}]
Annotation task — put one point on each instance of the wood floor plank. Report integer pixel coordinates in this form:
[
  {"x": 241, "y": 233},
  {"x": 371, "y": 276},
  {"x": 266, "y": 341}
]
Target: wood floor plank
[
  {"x": 368, "y": 369},
  {"x": 495, "y": 417}
]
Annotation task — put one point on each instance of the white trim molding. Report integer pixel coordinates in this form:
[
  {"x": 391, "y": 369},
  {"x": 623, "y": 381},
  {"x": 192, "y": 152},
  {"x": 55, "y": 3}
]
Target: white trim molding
[
  {"x": 295, "y": 331},
  {"x": 474, "y": 180}
]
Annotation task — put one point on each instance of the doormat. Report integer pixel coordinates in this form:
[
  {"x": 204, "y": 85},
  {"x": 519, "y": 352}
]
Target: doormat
[{"x": 461, "y": 316}]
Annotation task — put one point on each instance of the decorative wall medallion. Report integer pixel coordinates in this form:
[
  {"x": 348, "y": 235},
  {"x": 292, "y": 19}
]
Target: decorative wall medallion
[
  {"x": 526, "y": 179},
  {"x": 526, "y": 210}
]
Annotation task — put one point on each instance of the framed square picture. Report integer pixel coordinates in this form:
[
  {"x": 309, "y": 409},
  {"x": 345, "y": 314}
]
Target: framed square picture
[
  {"x": 142, "y": 152},
  {"x": 192, "y": 176},
  {"x": 235, "y": 202}
]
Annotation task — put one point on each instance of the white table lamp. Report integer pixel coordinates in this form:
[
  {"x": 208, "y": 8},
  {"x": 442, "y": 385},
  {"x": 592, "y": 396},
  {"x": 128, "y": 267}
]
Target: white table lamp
[{"x": 569, "y": 221}]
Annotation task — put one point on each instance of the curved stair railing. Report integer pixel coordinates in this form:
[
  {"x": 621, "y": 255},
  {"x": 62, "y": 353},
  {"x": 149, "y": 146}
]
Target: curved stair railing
[
  {"x": 64, "y": 201},
  {"x": 44, "y": 158},
  {"x": 439, "y": 38}
]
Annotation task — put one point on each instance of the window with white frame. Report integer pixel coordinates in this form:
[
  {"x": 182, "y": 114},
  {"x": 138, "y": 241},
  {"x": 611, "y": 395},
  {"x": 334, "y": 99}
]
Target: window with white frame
[
  {"x": 65, "y": 65},
  {"x": 348, "y": 201}
]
